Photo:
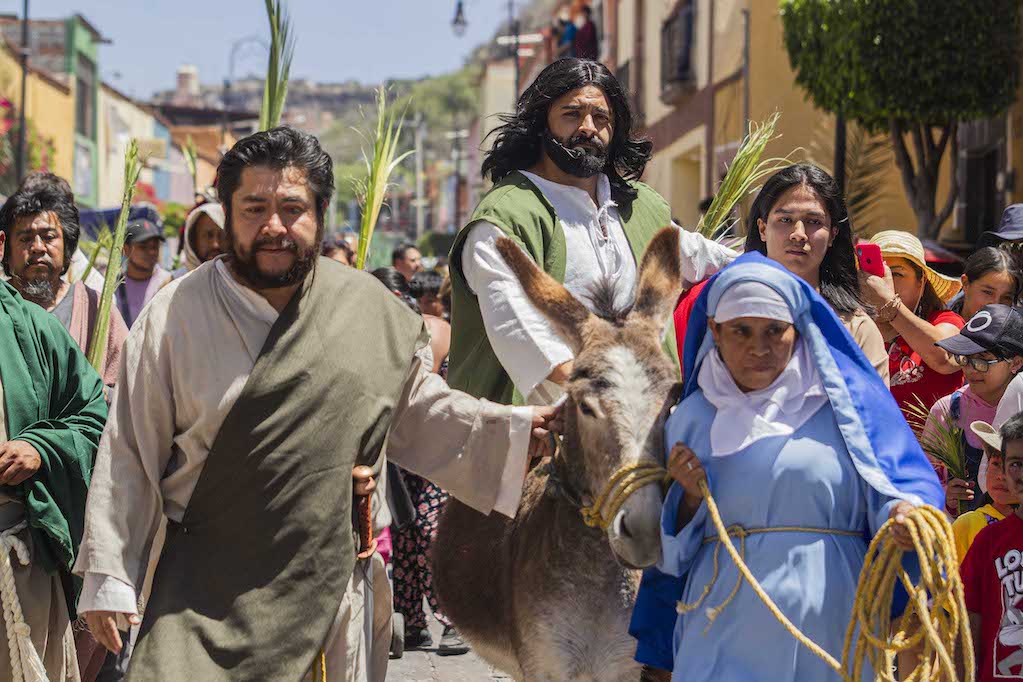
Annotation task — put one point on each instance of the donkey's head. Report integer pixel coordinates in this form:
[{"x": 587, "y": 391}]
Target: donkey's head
[{"x": 620, "y": 388}]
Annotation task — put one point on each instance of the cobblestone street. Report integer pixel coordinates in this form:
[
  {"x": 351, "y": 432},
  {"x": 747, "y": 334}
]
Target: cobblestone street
[{"x": 427, "y": 666}]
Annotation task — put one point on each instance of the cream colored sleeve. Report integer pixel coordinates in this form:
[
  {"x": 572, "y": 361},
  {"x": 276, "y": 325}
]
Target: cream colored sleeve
[
  {"x": 476, "y": 450},
  {"x": 868, "y": 337}
]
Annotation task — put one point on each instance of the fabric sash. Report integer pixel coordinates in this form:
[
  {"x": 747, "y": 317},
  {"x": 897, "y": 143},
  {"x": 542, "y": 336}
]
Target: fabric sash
[{"x": 250, "y": 581}]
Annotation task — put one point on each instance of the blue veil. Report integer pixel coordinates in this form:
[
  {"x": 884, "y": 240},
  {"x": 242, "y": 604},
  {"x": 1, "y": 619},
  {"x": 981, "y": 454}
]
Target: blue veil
[{"x": 882, "y": 446}]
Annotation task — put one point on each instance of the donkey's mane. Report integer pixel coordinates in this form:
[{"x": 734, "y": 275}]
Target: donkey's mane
[{"x": 602, "y": 297}]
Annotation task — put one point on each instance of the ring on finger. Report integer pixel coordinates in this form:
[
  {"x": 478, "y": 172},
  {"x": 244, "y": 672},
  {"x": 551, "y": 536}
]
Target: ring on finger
[{"x": 690, "y": 465}]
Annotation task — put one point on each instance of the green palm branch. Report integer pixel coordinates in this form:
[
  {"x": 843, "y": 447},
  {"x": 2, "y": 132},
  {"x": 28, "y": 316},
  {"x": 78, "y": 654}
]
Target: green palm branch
[
  {"x": 282, "y": 50},
  {"x": 943, "y": 441},
  {"x": 98, "y": 342},
  {"x": 744, "y": 174},
  {"x": 192, "y": 162},
  {"x": 379, "y": 167}
]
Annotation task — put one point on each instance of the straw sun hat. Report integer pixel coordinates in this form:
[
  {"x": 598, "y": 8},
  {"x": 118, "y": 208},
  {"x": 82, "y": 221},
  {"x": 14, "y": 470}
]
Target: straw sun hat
[{"x": 899, "y": 244}]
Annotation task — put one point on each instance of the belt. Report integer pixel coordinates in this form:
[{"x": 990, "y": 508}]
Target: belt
[{"x": 742, "y": 534}]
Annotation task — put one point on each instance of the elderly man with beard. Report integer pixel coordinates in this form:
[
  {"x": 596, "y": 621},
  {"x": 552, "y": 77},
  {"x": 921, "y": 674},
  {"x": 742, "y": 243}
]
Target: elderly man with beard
[
  {"x": 249, "y": 392},
  {"x": 40, "y": 222},
  {"x": 566, "y": 169}
]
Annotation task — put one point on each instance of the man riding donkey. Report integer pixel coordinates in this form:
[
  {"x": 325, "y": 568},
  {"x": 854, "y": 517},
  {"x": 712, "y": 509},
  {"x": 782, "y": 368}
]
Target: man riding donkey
[{"x": 249, "y": 391}]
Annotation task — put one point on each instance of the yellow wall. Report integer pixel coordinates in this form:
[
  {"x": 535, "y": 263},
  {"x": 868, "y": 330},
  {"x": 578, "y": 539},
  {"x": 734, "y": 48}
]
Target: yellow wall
[
  {"x": 677, "y": 173},
  {"x": 50, "y": 110}
]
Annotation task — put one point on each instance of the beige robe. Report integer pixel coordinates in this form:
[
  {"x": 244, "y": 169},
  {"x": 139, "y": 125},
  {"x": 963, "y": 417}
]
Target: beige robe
[
  {"x": 185, "y": 364},
  {"x": 42, "y": 599}
]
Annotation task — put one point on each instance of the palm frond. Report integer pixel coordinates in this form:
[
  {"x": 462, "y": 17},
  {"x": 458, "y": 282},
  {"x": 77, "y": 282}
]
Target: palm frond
[
  {"x": 192, "y": 162},
  {"x": 98, "y": 342},
  {"x": 868, "y": 157},
  {"x": 379, "y": 167},
  {"x": 744, "y": 174},
  {"x": 282, "y": 50},
  {"x": 942, "y": 440}
]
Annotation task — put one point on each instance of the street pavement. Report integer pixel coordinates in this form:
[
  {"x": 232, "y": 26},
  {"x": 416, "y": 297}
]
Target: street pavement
[{"x": 427, "y": 666}]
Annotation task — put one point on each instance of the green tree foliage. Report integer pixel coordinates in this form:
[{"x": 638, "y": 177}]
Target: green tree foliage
[{"x": 912, "y": 68}]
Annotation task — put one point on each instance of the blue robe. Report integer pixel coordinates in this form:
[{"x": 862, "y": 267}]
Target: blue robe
[{"x": 874, "y": 455}]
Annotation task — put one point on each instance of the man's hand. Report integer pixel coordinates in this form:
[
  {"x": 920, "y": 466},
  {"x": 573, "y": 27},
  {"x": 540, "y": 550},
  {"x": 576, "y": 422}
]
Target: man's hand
[
  {"x": 18, "y": 462},
  {"x": 900, "y": 532},
  {"x": 541, "y": 441},
  {"x": 103, "y": 626}
]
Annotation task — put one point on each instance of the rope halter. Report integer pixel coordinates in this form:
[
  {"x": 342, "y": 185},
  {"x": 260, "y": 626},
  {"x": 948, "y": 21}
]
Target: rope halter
[{"x": 622, "y": 484}]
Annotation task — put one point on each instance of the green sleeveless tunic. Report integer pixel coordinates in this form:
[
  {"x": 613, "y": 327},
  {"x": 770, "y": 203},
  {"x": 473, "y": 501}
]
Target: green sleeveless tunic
[
  {"x": 519, "y": 209},
  {"x": 250, "y": 581}
]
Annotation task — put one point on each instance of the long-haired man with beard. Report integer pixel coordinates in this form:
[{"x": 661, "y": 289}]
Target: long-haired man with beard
[
  {"x": 249, "y": 391},
  {"x": 566, "y": 168}
]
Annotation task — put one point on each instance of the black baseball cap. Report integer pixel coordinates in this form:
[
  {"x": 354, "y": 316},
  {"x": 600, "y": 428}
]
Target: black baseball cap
[
  {"x": 994, "y": 329},
  {"x": 140, "y": 229}
]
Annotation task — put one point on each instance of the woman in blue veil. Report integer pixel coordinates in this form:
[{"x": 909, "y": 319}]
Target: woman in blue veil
[{"x": 823, "y": 448}]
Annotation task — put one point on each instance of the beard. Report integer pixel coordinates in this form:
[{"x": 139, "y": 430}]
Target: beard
[
  {"x": 39, "y": 289},
  {"x": 245, "y": 264},
  {"x": 573, "y": 158}
]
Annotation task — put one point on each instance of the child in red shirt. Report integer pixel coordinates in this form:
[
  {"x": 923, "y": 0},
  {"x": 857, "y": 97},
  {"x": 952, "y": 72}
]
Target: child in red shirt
[{"x": 993, "y": 576}]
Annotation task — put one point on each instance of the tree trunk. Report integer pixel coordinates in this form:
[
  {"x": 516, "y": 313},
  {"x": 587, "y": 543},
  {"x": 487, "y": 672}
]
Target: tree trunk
[
  {"x": 840, "y": 145},
  {"x": 920, "y": 174}
]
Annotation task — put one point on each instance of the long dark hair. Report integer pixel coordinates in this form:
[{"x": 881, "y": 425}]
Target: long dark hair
[
  {"x": 518, "y": 144},
  {"x": 987, "y": 260},
  {"x": 839, "y": 282},
  {"x": 41, "y": 192}
]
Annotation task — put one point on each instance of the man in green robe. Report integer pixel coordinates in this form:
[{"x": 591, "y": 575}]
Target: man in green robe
[
  {"x": 249, "y": 391},
  {"x": 52, "y": 413},
  {"x": 566, "y": 170}
]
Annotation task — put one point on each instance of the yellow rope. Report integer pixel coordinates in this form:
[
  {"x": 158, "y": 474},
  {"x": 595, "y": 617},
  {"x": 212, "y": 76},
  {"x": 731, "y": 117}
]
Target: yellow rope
[
  {"x": 936, "y": 607},
  {"x": 323, "y": 665}
]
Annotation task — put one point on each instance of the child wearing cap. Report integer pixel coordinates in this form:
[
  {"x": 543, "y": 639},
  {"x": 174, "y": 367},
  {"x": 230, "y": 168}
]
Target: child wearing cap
[
  {"x": 992, "y": 479},
  {"x": 990, "y": 351},
  {"x": 992, "y": 574}
]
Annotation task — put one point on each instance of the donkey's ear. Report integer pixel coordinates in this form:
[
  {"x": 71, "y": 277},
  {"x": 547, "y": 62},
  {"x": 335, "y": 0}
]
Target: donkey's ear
[
  {"x": 660, "y": 278},
  {"x": 561, "y": 308}
]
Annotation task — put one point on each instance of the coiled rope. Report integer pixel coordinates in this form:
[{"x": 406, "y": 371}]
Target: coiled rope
[
  {"x": 936, "y": 601},
  {"x": 26, "y": 665}
]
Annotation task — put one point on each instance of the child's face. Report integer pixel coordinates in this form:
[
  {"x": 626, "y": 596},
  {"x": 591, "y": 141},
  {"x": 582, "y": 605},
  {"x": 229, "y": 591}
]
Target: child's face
[
  {"x": 1012, "y": 465},
  {"x": 996, "y": 485}
]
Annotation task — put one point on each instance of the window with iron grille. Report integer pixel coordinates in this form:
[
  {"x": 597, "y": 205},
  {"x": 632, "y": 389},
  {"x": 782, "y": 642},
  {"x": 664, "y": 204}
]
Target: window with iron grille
[{"x": 677, "y": 35}]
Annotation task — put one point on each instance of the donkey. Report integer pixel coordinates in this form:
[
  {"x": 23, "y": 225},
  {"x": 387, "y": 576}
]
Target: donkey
[{"x": 543, "y": 596}]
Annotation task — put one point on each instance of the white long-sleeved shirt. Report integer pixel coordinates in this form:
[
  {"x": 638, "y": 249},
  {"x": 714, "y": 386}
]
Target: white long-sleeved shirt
[
  {"x": 597, "y": 249},
  {"x": 185, "y": 366}
]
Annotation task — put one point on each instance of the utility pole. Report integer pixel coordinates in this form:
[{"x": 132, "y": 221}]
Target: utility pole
[
  {"x": 19, "y": 161},
  {"x": 420, "y": 190}
]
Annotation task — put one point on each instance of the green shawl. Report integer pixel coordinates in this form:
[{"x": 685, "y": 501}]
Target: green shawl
[{"x": 54, "y": 402}]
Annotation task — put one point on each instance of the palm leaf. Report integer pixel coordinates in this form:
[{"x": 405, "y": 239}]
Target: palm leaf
[
  {"x": 282, "y": 50},
  {"x": 868, "y": 157},
  {"x": 744, "y": 174},
  {"x": 98, "y": 342},
  {"x": 379, "y": 167},
  {"x": 192, "y": 162},
  {"x": 943, "y": 441}
]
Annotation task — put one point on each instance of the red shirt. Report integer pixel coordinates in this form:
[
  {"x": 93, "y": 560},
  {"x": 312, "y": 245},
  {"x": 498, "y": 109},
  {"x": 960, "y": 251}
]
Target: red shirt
[
  {"x": 911, "y": 378},
  {"x": 682, "y": 313},
  {"x": 992, "y": 575}
]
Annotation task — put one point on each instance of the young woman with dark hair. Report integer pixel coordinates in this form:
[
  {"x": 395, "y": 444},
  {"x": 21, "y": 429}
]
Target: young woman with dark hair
[
  {"x": 799, "y": 219},
  {"x": 990, "y": 275},
  {"x": 910, "y": 311}
]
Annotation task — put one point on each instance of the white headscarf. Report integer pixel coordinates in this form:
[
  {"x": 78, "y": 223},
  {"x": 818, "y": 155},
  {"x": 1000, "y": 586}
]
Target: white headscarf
[{"x": 778, "y": 410}]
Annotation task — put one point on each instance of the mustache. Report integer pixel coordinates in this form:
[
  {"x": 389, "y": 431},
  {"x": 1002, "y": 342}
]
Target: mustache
[
  {"x": 284, "y": 243},
  {"x": 573, "y": 146}
]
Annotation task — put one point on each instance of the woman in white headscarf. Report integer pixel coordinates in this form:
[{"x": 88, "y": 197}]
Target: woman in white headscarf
[{"x": 806, "y": 450}]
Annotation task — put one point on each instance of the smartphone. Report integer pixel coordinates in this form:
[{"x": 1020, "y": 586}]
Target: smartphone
[{"x": 870, "y": 259}]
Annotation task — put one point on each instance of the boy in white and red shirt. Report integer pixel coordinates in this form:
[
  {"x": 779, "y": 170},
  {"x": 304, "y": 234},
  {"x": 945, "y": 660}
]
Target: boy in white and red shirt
[{"x": 992, "y": 575}]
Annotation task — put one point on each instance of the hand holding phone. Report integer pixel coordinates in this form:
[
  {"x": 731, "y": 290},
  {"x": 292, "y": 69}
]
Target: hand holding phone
[{"x": 871, "y": 262}]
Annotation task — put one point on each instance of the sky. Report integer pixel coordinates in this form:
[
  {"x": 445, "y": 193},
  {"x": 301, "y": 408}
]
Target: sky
[{"x": 337, "y": 40}]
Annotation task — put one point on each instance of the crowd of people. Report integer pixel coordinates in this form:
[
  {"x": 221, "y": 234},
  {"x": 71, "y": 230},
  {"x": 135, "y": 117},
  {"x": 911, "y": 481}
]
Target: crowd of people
[{"x": 187, "y": 505}]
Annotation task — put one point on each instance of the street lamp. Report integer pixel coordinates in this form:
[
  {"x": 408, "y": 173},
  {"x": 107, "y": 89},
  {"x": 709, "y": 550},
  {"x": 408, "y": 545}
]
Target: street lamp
[{"x": 459, "y": 23}]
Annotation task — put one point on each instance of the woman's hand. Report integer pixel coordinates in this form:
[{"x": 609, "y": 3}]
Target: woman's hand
[
  {"x": 877, "y": 290},
  {"x": 685, "y": 467},
  {"x": 900, "y": 531},
  {"x": 957, "y": 490}
]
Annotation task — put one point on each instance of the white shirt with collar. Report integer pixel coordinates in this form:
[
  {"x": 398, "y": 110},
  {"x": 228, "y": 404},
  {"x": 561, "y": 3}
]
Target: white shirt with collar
[{"x": 596, "y": 248}]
